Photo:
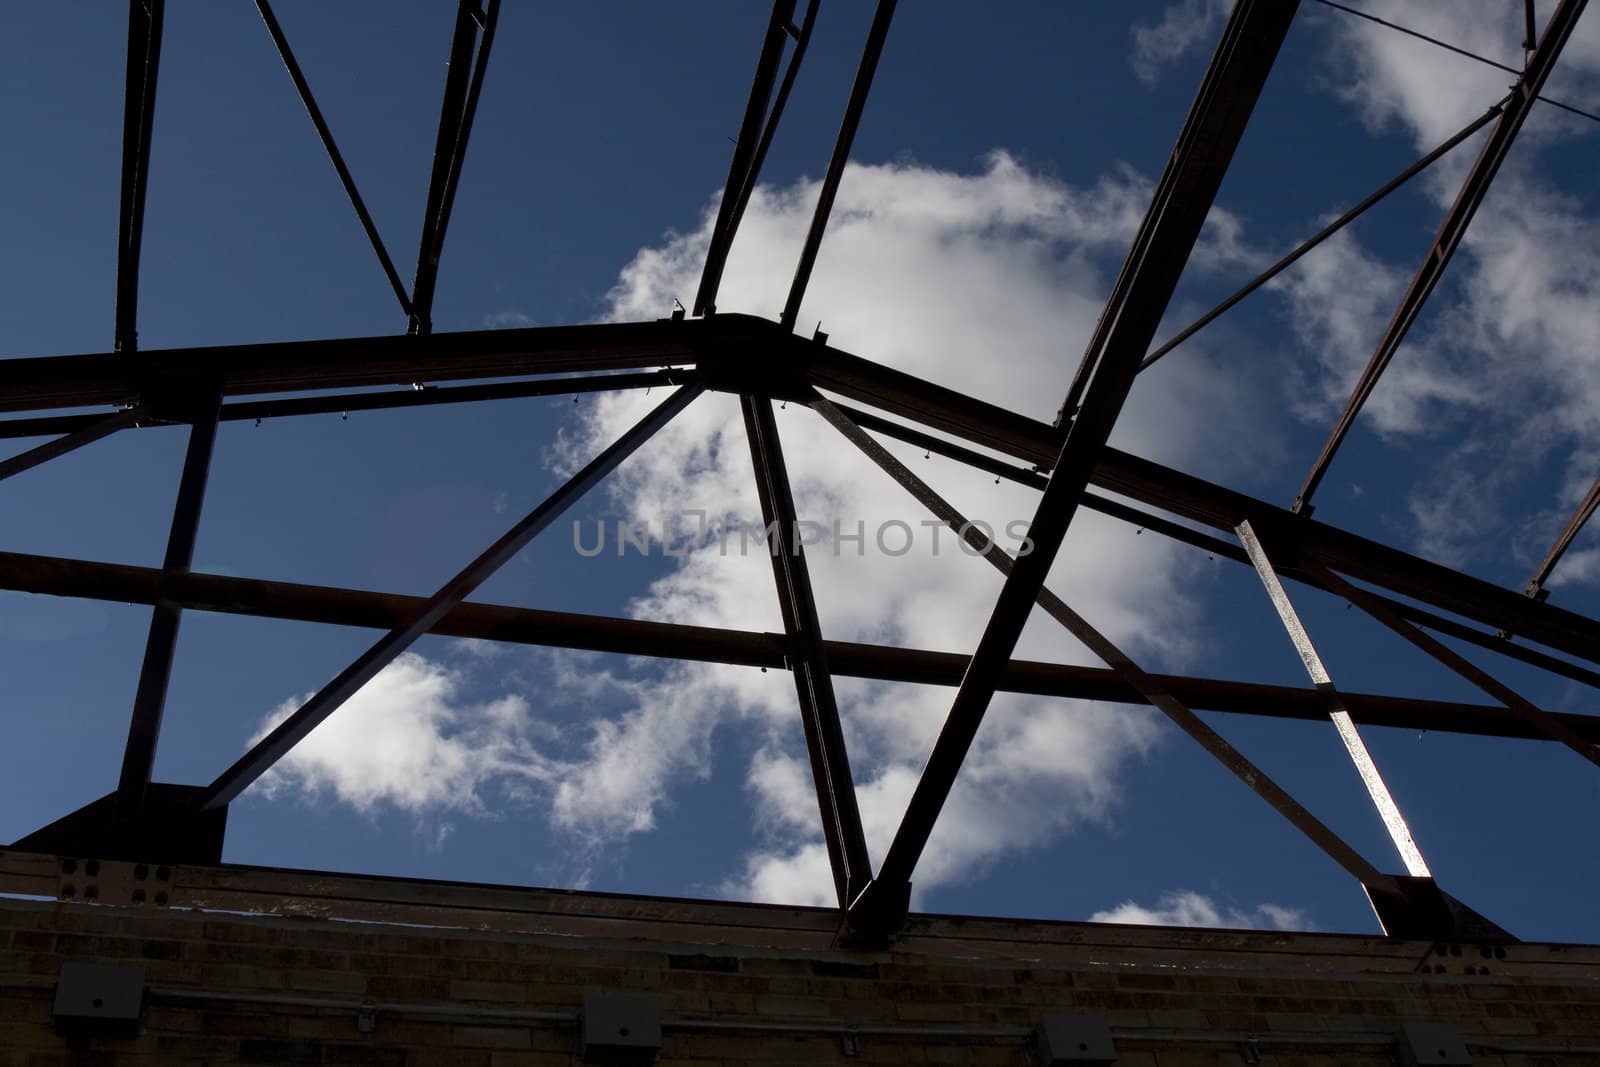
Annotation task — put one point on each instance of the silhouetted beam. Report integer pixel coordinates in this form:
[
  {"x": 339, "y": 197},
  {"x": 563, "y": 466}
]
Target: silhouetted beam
[
  {"x": 1214, "y": 545},
  {"x": 1206, "y": 503},
  {"x": 1257, "y": 780},
  {"x": 1523, "y": 95},
  {"x": 380, "y": 400},
  {"x": 1519, "y": 705},
  {"x": 1585, "y": 511},
  {"x": 43, "y": 382},
  {"x": 877, "y": 34},
  {"x": 82, "y": 579},
  {"x": 1183, "y": 198},
  {"x": 138, "y": 120},
  {"x": 96, "y": 427},
  {"x": 463, "y": 84},
  {"x": 774, "y": 116},
  {"x": 808, "y": 657},
  {"x": 78, "y": 381},
  {"x": 741, "y": 166},
  {"x": 292, "y": 730}
]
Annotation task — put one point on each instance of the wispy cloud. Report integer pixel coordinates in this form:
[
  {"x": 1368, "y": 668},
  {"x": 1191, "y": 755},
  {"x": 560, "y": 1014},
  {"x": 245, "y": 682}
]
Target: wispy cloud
[
  {"x": 409, "y": 740},
  {"x": 1184, "y": 27},
  {"x": 1187, "y": 908},
  {"x": 508, "y": 320}
]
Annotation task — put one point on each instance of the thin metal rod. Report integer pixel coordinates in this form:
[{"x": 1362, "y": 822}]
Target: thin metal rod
[
  {"x": 1233, "y": 82},
  {"x": 138, "y": 122},
  {"x": 1153, "y": 692},
  {"x": 1388, "y": 810},
  {"x": 1323, "y": 234},
  {"x": 876, "y": 36},
  {"x": 1586, "y": 510},
  {"x": 808, "y": 657},
  {"x": 155, "y": 672},
  {"x": 99, "y": 426},
  {"x": 1529, "y": 43},
  {"x": 332, "y": 148},
  {"x": 293, "y": 729},
  {"x": 1448, "y": 238},
  {"x": 462, "y": 83},
  {"x": 740, "y": 166},
  {"x": 1519, "y": 705}
]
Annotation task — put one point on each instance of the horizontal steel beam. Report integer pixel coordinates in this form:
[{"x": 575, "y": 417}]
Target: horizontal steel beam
[
  {"x": 54, "y": 576},
  {"x": 713, "y": 344},
  {"x": 38, "y": 383}
]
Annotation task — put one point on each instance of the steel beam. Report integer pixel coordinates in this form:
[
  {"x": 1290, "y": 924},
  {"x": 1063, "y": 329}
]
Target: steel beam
[
  {"x": 1230, "y": 550},
  {"x": 1523, "y": 95},
  {"x": 1519, "y": 705},
  {"x": 877, "y": 34},
  {"x": 261, "y": 756},
  {"x": 808, "y": 657},
  {"x": 1182, "y": 200},
  {"x": 1113, "y": 657},
  {"x": 380, "y": 400},
  {"x": 325, "y": 135},
  {"x": 1585, "y": 512},
  {"x": 1388, "y": 810},
  {"x": 741, "y": 168},
  {"x": 122, "y": 583},
  {"x": 92, "y": 430},
  {"x": 138, "y": 121},
  {"x": 463, "y": 84},
  {"x": 150, "y": 698},
  {"x": 44, "y": 382}
]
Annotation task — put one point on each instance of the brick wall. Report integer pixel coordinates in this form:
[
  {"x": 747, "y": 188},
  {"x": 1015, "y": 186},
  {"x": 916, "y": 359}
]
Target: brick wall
[{"x": 492, "y": 977}]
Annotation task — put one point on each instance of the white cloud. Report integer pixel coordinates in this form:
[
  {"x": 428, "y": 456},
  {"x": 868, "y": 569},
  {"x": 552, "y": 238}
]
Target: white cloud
[
  {"x": 1184, "y": 27},
  {"x": 409, "y": 740},
  {"x": 1186, "y": 908}
]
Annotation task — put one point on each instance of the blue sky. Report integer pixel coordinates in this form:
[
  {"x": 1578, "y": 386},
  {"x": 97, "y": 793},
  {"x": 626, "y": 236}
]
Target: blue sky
[{"x": 1002, "y": 165}]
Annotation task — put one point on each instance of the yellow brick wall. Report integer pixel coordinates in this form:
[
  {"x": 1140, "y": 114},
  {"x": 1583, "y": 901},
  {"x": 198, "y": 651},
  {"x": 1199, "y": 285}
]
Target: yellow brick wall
[{"x": 762, "y": 985}]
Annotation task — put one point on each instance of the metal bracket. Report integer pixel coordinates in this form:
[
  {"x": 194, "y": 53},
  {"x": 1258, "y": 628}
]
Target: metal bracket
[{"x": 171, "y": 829}]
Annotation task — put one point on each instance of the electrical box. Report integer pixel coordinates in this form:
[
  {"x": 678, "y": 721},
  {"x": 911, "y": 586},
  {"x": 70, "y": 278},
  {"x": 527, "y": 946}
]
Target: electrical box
[
  {"x": 1432, "y": 1043},
  {"x": 619, "y": 1028},
  {"x": 99, "y": 1000},
  {"x": 1072, "y": 1039}
]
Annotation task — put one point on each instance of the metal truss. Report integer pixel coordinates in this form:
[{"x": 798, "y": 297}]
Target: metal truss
[{"x": 1069, "y": 463}]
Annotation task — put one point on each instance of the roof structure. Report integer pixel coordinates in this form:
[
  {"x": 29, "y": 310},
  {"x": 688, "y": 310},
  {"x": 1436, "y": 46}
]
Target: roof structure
[{"x": 763, "y": 362}]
